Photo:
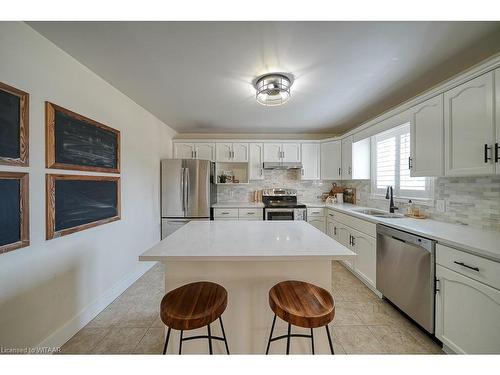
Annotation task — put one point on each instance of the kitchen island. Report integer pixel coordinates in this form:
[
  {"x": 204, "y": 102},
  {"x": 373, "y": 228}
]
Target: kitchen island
[{"x": 248, "y": 258}]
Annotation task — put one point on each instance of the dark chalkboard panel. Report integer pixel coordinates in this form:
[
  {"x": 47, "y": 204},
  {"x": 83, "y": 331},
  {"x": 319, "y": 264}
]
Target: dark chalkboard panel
[
  {"x": 76, "y": 203},
  {"x": 13, "y": 126},
  {"x": 13, "y": 211},
  {"x": 77, "y": 142}
]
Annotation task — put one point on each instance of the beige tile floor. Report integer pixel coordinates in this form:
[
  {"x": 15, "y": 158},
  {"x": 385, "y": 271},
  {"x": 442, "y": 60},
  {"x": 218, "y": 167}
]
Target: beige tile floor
[{"x": 363, "y": 324}]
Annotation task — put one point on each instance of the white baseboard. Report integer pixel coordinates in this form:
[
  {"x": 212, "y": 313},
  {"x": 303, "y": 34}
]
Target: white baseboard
[{"x": 80, "y": 320}]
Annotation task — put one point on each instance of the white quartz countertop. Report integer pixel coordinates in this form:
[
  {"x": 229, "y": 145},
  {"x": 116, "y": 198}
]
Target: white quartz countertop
[
  {"x": 247, "y": 240},
  {"x": 475, "y": 241},
  {"x": 238, "y": 205}
]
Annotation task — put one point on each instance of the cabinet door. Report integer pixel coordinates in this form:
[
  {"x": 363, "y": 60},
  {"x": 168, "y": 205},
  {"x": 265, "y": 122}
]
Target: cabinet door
[
  {"x": 347, "y": 158},
  {"x": 272, "y": 152},
  {"x": 497, "y": 117},
  {"x": 310, "y": 161},
  {"x": 318, "y": 222},
  {"x": 240, "y": 152},
  {"x": 467, "y": 314},
  {"x": 330, "y": 160},
  {"x": 468, "y": 123},
  {"x": 343, "y": 235},
  {"x": 184, "y": 150},
  {"x": 329, "y": 228},
  {"x": 365, "y": 248},
  {"x": 256, "y": 170},
  {"x": 427, "y": 142},
  {"x": 224, "y": 152},
  {"x": 291, "y": 152},
  {"x": 205, "y": 151}
]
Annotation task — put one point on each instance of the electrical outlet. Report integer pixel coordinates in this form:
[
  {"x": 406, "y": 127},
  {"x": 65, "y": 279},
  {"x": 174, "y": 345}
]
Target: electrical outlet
[{"x": 440, "y": 206}]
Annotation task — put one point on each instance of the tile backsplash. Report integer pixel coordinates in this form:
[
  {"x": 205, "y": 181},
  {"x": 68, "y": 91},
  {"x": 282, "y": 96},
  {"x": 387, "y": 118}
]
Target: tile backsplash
[
  {"x": 307, "y": 191},
  {"x": 474, "y": 201}
]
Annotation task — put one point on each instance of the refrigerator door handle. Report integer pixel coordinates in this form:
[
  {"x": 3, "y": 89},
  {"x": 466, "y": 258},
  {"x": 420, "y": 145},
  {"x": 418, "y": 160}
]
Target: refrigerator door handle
[
  {"x": 187, "y": 188},
  {"x": 184, "y": 188}
]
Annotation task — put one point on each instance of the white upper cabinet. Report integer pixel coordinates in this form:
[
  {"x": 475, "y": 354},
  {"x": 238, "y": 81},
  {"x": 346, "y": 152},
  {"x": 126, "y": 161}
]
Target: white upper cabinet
[
  {"x": 427, "y": 143},
  {"x": 202, "y": 150},
  {"x": 256, "y": 170},
  {"x": 272, "y": 152},
  {"x": 183, "y": 150},
  {"x": 310, "y": 161},
  {"x": 496, "y": 151},
  {"x": 205, "y": 151},
  {"x": 240, "y": 152},
  {"x": 232, "y": 152},
  {"x": 282, "y": 152},
  {"x": 291, "y": 152},
  {"x": 330, "y": 160},
  {"x": 224, "y": 152},
  {"x": 347, "y": 158},
  {"x": 469, "y": 128},
  {"x": 361, "y": 159}
]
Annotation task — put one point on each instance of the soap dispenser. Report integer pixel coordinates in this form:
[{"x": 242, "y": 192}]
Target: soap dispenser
[{"x": 410, "y": 208}]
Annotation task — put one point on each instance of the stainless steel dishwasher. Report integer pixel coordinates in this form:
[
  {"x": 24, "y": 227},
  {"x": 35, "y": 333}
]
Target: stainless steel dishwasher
[{"x": 405, "y": 273}]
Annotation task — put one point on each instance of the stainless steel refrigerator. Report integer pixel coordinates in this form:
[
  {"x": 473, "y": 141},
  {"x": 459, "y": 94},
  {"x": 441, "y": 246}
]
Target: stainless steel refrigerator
[{"x": 188, "y": 191}]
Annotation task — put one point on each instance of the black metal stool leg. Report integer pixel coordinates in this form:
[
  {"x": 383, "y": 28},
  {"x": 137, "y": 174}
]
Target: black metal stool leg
[
  {"x": 166, "y": 341},
  {"x": 312, "y": 341},
  {"x": 288, "y": 339},
  {"x": 329, "y": 339},
  {"x": 224, "y": 335},
  {"x": 270, "y": 335},
  {"x": 210, "y": 340},
  {"x": 180, "y": 342}
]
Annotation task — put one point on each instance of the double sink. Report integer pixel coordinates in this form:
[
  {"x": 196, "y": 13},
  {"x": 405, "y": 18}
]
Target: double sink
[{"x": 378, "y": 213}]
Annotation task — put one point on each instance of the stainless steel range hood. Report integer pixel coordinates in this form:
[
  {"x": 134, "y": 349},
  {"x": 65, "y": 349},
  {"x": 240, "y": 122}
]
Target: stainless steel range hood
[{"x": 282, "y": 165}]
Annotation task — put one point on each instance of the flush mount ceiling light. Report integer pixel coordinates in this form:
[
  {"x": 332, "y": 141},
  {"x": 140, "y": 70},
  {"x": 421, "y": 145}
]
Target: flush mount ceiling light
[{"x": 273, "y": 89}]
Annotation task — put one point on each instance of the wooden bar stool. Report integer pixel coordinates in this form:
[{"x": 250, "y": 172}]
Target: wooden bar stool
[
  {"x": 301, "y": 304},
  {"x": 194, "y": 306}
]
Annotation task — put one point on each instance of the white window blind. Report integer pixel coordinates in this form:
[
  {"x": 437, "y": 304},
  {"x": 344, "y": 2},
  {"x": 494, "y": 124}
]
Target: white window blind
[{"x": 390, "y": 155}]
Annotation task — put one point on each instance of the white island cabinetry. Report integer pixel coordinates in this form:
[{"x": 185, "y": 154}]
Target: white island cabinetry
[{"x": 247, "y": 259}]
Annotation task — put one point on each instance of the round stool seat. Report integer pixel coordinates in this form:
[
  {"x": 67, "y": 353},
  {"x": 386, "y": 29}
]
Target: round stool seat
[
  {"x": 302, "y": 304},
  {"x": 193, "y": 305}
]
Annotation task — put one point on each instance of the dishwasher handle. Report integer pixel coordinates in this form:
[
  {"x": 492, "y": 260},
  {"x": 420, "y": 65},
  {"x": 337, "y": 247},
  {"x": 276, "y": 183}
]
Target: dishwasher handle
[{"x": 409, "y": 238}]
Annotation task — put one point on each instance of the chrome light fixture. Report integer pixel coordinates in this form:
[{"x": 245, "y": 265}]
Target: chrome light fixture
[{"x": 273, "y": 89}]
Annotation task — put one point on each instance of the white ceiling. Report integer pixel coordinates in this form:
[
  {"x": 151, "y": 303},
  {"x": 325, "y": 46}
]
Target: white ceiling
[{"x": 196, "y": 76}]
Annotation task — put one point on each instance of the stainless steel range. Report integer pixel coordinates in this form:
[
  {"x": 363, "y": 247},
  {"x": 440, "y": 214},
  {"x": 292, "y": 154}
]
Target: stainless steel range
[{"x": 281, "y": 204}]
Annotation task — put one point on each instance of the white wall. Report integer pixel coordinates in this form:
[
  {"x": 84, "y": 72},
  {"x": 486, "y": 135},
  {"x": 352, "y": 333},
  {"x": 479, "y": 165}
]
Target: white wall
[{"x": 51, "y": 288}]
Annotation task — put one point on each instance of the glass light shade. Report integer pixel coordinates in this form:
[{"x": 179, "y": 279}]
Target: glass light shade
[{"x": 272, "y": 89}]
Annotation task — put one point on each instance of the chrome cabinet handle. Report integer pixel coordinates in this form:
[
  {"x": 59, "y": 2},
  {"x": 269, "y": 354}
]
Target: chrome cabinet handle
[
  {"x": 467, "y": 266},
  {"x": 250, "y": 213},
  {"x": 340, "y": 171},
  {"x": 334, "y": 231},
  {"x": 225, "y": 213},
  {"x": 349, "y": 170}
]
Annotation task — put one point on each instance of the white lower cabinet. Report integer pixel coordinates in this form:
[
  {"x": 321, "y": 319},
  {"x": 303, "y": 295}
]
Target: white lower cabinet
[
  {"x": 467, "y": 314},
  {"x": 359, "y": 240},
  {"x": 467, "y": 302},
  {"x": 365, "y": 248},
  {"x": 238, "y": 214}
]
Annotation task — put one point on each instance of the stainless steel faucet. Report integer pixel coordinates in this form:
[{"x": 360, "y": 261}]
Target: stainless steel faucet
[{"x": 389, "y": 195}]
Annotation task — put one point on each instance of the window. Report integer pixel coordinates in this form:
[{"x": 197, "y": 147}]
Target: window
[{"x": 390, "y": 155}]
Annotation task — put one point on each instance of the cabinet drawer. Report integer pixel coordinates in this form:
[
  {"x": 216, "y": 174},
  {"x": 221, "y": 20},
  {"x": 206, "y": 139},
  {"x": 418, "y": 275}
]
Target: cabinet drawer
[
  {"x": 486, "y": 271},
  {"x": 316, "y": 212},
  {"x": 226, "y": 213},
  {"x": 250, "y": 213},
  {"x": 363, "y": 226}
]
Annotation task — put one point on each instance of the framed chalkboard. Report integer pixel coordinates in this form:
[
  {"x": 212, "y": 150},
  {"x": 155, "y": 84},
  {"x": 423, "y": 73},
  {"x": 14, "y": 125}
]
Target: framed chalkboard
[
  {"x": 14, "y": 211},
  {"x": 14, "y": 127},
  {"x": 75, "y": 203},
  {"x": 77, "y": 142}
]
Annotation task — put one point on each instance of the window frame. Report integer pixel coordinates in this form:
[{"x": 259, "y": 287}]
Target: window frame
[{"x": 424, "y": 197}]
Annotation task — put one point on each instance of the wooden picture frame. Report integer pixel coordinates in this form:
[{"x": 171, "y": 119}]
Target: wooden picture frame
[
  {"x": 50, "y": 140},
  {"x": 50, "y": 202},
  {"x": 23, "y": 159},
  {"x": 23, "y": 210}
]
